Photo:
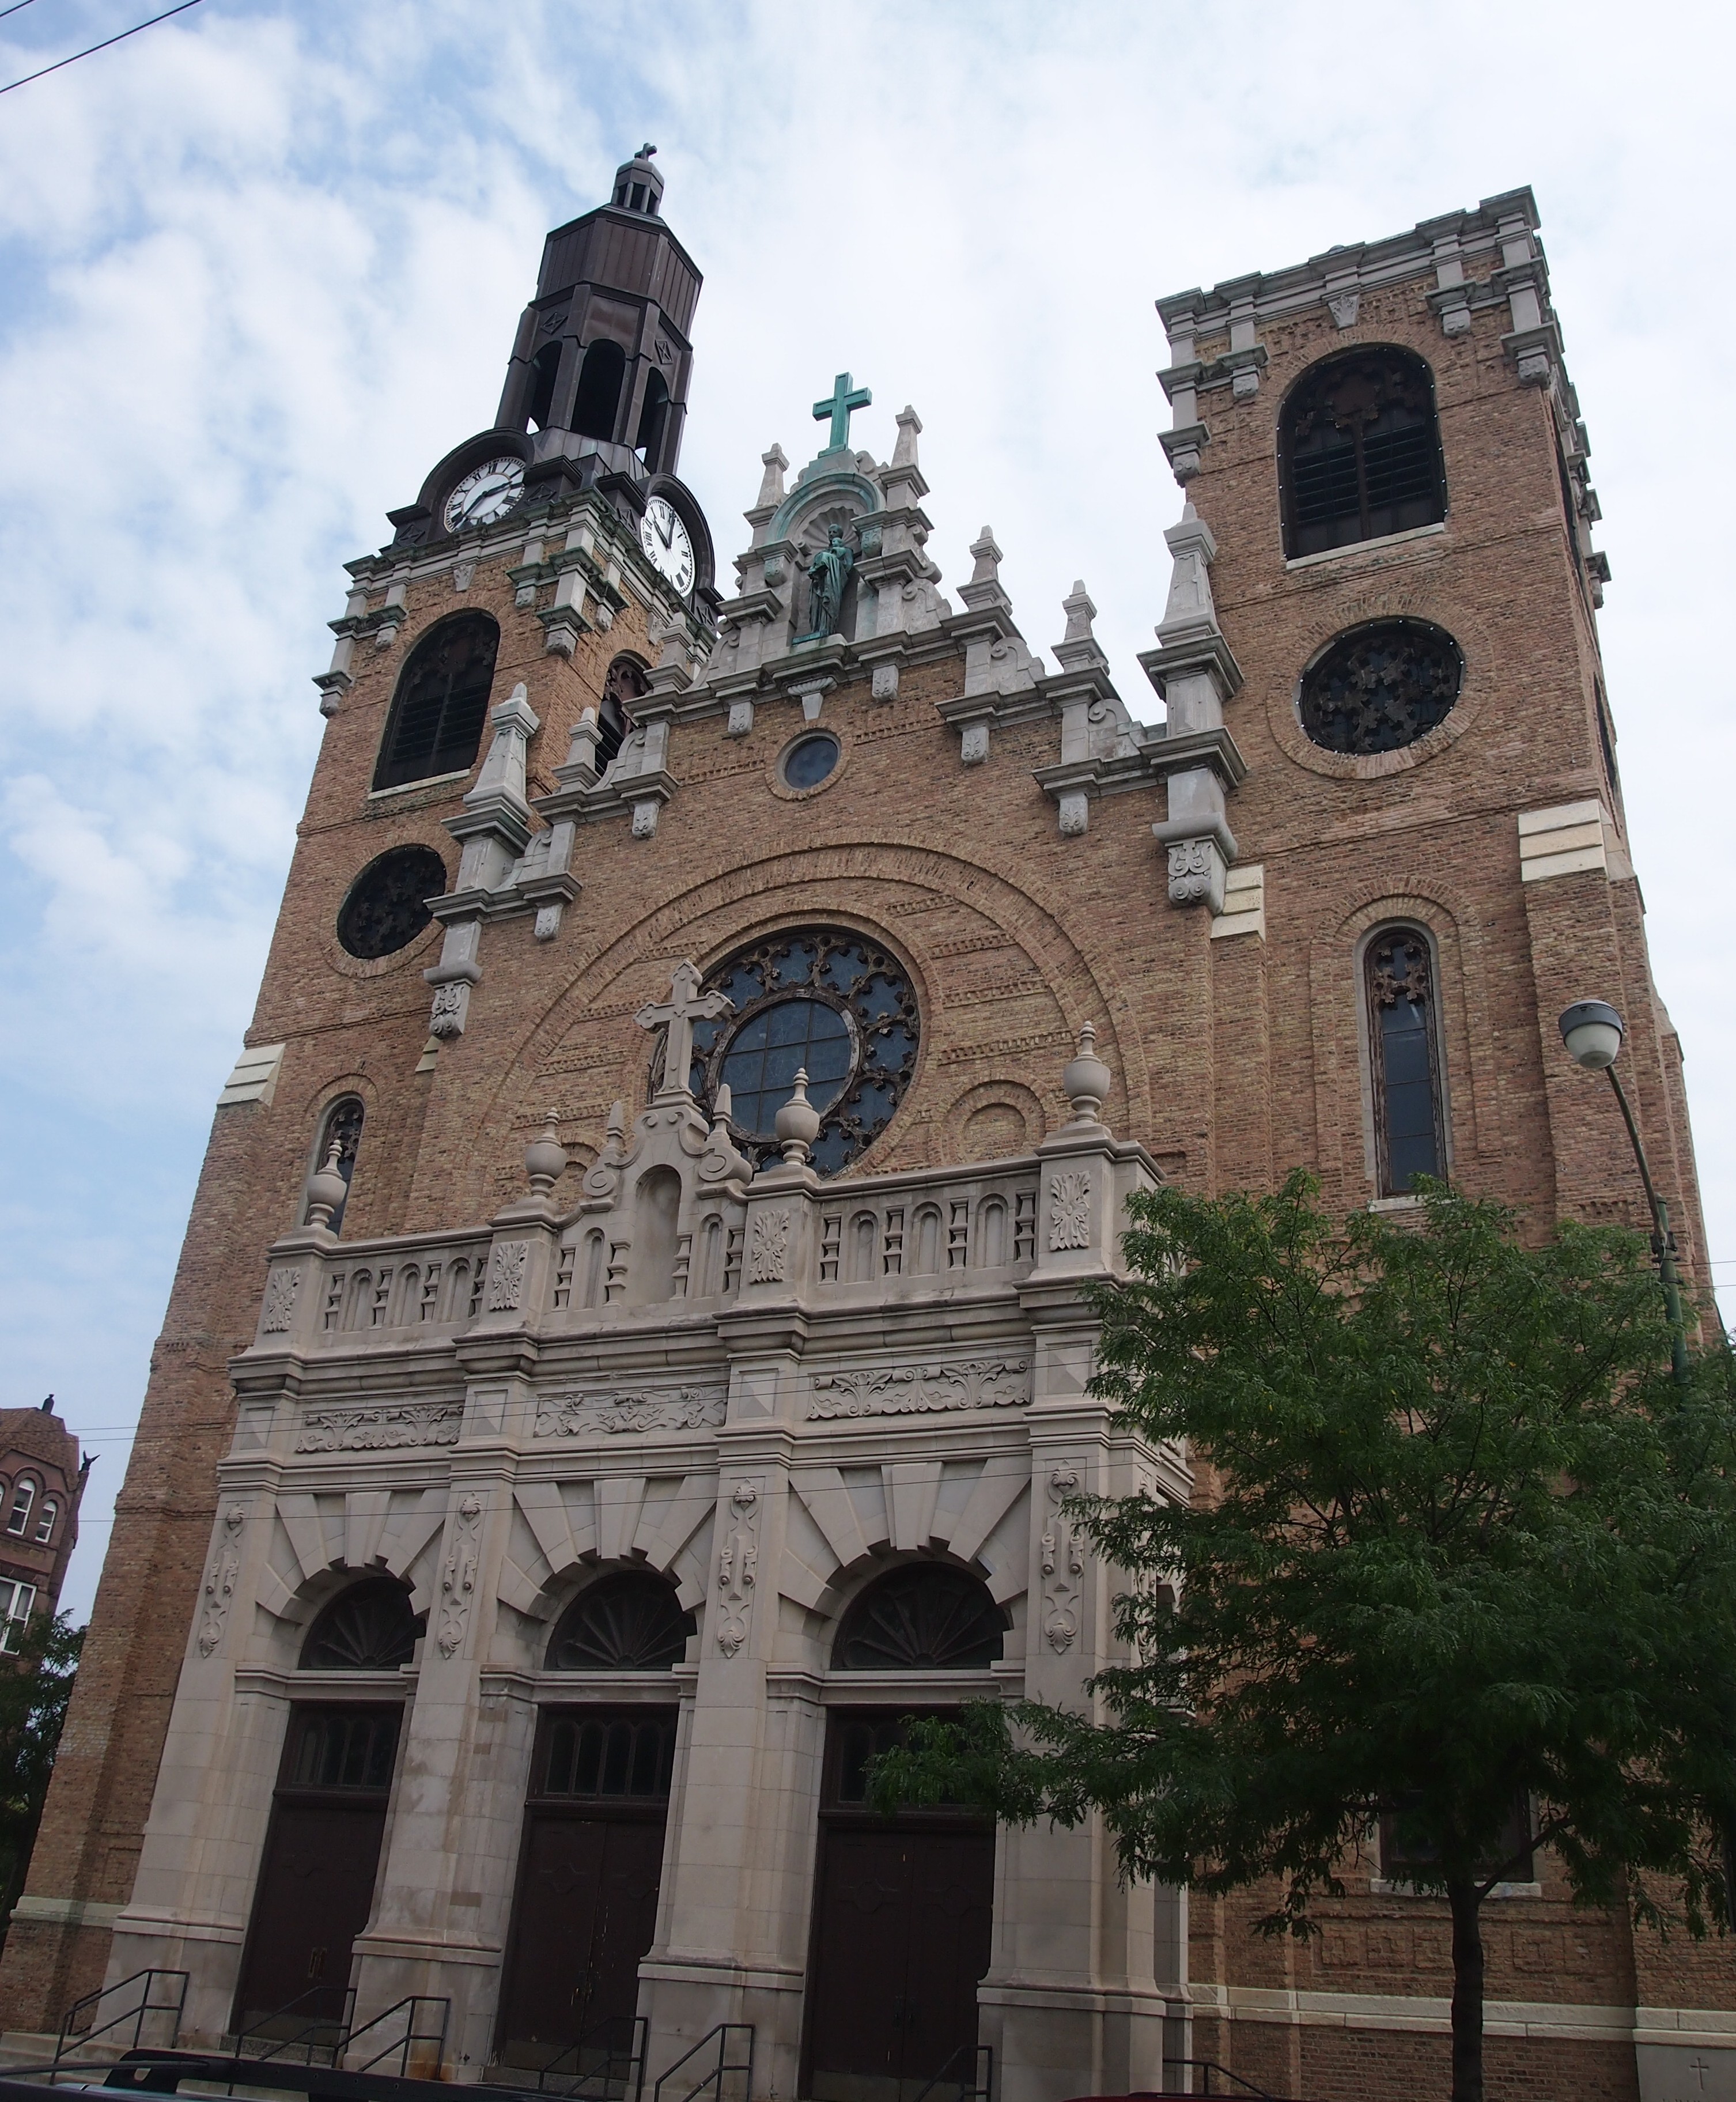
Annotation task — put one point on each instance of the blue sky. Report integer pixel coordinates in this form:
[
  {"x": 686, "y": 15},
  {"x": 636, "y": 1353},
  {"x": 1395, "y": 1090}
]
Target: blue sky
[{"x": 260, "y": 266}]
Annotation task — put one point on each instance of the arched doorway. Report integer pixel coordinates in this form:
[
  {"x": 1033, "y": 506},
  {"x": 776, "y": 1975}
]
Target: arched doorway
[
  {"x": 322, "y": 1846},
  {"x": 903, "y": 1906},
  {"x": 592, "y": 1855}
]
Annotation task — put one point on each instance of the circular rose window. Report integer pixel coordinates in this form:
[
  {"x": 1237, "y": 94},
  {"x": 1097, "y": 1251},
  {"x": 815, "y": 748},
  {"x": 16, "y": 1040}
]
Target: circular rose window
[
  {"x": 819, "y": 999},
  {"x": 387, "y": 908},
  {"x": 1380, "y": 687},
  {"x": 810, "y": 759}
]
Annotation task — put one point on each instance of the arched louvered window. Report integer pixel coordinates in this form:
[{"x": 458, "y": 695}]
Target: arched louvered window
[
  {"x": 598, "y": 401},
  {"x": 1404, "y": 1056},
  {"x": 441, "y": 705},
  {"x": 342, "y": 1123},
  {"x": 625, "y": 682},
  {"x": 1359, "y": 450},
  {"x": 370, "y": 1627},
  {"x": 631, "y": 1621},
  {"x": 922, "y": 1616},
  {"x": 545, "y": 370}
]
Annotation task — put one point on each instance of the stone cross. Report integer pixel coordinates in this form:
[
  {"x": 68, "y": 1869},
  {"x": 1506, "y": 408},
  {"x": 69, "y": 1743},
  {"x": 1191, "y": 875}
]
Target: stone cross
[
  {"x": 839, "y": 406},
  {"x": 685, "y": 1005}
]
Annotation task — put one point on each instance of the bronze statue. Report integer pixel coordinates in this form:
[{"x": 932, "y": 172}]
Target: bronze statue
[{"x": 828, "y": 572}]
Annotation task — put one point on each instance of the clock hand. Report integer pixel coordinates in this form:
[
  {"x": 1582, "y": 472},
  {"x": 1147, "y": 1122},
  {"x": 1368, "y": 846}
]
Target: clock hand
[{"x": 667, "y": 538}]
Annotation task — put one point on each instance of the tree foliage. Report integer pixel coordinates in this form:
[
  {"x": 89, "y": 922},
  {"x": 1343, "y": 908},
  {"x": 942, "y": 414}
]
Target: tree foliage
[
  {"x": 1458, "y": 1544},
  {"x": 35, "y": 1686}
]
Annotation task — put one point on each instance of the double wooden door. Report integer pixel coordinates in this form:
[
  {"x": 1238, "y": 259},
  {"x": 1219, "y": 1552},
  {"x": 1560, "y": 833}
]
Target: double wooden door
[{"x": 903, "y": 1913}]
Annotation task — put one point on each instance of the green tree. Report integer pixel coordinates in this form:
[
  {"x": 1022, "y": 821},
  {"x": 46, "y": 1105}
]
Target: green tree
[
  {"x": 1459, "y": 1546},
  {"x": 35, "y": 1686}
]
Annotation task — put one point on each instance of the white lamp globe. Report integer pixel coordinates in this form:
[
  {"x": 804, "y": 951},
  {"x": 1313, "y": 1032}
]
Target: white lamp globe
[{"x": 1592, "y": 1029}]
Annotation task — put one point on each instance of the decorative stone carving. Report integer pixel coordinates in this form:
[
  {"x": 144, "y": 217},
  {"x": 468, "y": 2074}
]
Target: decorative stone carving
[
  {"x": 458, "y": 1576},
  {"x": 644, "y": 818},
  {"x": 506, "y": 1285},
  {"x": 1075, "y": 815},
  {"x": 1063, "y": 1561},
  {"x": 884, "y": 686},
  {"x": 387, "y": 1427},
  {"x": 547, "y": 923},
  {"x": 741, "y": 719},
  {"x": 463, "y": 575},
  {"x": 739, "y": 1568},
  {"x": 585, "y": 1415},
  {"x": 1069, "y": 1209},
  {"x": 281, "y": 1290},
  {"x": 1196, "y": 873},
  {"x": 768, "y": 1248},
  {"x": 451, "y": 1010},
  {"x": 220, "y": 1578},
  {"x": 973, "y": 744},
  {"x": 922, "y": 1389},
  {"x": 1343, "y": 307}
]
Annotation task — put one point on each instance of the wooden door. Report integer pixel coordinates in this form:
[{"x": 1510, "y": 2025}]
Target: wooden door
[
  {"x": 586, "y": 1908},
  {"x": 315, "y": 1886},
  {"x": 903, "y": 1912}
]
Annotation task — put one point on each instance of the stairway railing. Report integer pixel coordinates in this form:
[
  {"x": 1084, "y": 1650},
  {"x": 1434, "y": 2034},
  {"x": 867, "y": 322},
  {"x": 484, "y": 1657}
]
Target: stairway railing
[
  {"x": 326, "y": 2033},
  {"x": 974, "y": 2079},
  {"x": 73, "y": 2037},
  {"x": 415, "y": 2007},
  {"x": 713, "y": 2081}
]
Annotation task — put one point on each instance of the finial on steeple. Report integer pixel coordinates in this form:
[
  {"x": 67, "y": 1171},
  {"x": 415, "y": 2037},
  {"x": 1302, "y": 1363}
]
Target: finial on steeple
[
  {"x": 638, "y": 185},
  {"x": 772, "y": 486},
  {"x": 909, "y": 425},
  {"x": 48, "y": 1406},
  {"x": 1078, "y": 649},
  {"x": 644, "y": 152}
]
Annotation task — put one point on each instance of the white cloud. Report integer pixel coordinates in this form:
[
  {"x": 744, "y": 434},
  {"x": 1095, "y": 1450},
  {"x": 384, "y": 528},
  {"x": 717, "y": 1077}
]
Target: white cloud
[{"x": 261, "y": 266}]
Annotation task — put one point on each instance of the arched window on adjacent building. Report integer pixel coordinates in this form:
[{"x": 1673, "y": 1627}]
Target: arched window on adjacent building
[
  {"x": 441, "y": 704},
  {"x": 45, "y": 1521},
  {"x": 624, "y": 683},
  {"x": 1405, "y": 1058},
  {"x": 629, "y": 1620},
  {"x": 370, "y": 1627},
  {"x": 598, "y": 401},
  {"x": 342, "y": 1123},
  {"x": 23, "y": 1500},
  {"x": 545, "y": 370},
  {"x": 1359, "y": 451},
  {"x": 921, "y": 1617}
]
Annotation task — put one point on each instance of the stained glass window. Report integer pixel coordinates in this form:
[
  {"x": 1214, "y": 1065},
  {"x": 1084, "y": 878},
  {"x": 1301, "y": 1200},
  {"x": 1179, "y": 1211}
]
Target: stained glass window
[
  {"x": 1380, "y": 686},
  {"x": 1361, "y": 451},
  {"x": 1410, "y": 1134}
]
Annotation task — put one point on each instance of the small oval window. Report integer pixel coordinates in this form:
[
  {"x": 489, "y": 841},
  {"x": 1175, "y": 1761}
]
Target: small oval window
[{"x": 809, "y": 759}]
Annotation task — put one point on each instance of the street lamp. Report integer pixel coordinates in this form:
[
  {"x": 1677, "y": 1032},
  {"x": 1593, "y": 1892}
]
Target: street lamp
[{"x": 1592, "y": 1029}]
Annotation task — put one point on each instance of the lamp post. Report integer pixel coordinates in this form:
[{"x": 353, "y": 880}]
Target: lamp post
[{"x": 1592, "y": 1029}]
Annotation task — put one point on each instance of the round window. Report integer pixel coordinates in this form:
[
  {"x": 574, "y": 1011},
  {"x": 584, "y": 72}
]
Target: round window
[
  {"x": 387, "y": 908},
  {"x": 1380, "y": 687},
  {"x": 810, "y": 759},
  {"x": 820, "y": 998}
]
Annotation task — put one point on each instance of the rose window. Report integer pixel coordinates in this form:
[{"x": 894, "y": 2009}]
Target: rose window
[
  {"x": 823, "y": 1000},
  {"x": 1380, "y": 687}
]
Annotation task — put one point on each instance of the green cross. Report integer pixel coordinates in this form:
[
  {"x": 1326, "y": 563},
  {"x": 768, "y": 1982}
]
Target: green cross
[{"x": 839, "y": 406}]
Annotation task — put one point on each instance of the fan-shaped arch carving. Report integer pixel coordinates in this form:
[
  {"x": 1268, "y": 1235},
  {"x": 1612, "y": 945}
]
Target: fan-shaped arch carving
[
  {"x": 923, "y": 1616},
  {"x": 629, "y": 1621},
  {"x": 370, "y": 1627}
]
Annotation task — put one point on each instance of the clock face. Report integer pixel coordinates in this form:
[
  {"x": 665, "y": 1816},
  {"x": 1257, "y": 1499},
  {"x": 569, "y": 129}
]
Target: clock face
[
  {"x": 665, "y": 542},
  {"x": 486, "y": 493}
]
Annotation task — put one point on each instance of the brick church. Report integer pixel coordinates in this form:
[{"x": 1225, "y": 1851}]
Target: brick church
[{"x": 629, "y": 1350}]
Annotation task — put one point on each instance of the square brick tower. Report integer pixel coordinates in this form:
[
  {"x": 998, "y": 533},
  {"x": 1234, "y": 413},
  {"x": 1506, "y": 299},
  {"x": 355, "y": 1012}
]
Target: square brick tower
[{"x": 706, "y": 1050}]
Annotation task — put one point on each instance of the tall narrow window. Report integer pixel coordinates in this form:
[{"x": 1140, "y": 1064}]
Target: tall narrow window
[
  {"x": 343, "y": 1124},
  {"x": 45, "y": 1521},
  {"x": 16, "y": 1601},
  {"x": 23, "y": 1497},
  {"x": 623, "y": 685},
  {"x": 1410, "y": 1132},
  {"x": 545, "y": 369},
  {"x": 1360, "y": 451},
  {"x": 598, "y": 401},
  {"x": 441, "y": 704}
]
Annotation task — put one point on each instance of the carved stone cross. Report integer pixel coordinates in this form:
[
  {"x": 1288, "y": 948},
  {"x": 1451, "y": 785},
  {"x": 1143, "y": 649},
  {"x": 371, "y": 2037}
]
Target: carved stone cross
[
  {"x": 839, "y": 406},
  {"x": 685, "y": 1005}
]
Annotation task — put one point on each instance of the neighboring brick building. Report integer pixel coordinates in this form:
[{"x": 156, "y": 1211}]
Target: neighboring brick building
[
  {"x": 511, "y": 1582},
  {"x": 42, "y": 1480}
]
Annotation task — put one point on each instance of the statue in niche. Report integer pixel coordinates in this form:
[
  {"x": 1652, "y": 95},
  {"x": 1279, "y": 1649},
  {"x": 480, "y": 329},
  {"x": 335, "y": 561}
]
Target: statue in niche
[{"x": 828, "y": 572}]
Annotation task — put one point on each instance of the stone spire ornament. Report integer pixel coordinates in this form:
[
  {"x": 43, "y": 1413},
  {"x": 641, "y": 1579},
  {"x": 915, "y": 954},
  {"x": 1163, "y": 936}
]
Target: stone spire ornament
[
  {"x": 797, "y": 1123},
  {"x": 326, "y": 1188}
]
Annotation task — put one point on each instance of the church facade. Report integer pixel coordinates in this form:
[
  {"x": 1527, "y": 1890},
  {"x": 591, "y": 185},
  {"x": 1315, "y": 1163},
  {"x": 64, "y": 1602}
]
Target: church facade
[{"x": 709, "y": 1041}]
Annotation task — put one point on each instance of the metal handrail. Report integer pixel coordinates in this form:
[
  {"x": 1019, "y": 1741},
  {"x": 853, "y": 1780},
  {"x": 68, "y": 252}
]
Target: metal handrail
[
  {"x": 715, "y": 2078},
  {"x": 635, "y": 2057},
  {"x": 412, "y": 2034},
  {"x": 338, "y": 2030},
  {"x": 1208, "y": 2066},
  {"x": 978, "y": 2087},
  {"x": 146, "y": 2005}
]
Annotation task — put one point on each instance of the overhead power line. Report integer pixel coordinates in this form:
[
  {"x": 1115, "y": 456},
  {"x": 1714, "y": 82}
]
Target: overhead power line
[
  {"x": 17, "y": 7},
  {"x": 43, "y": 71}
]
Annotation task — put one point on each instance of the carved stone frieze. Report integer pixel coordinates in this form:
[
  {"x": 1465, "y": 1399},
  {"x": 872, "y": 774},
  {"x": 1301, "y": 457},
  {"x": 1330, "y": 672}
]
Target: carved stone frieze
[
  {"x": 1063, "y": 1561},
  {"x": 220, "y": 1578},
  {"x": 506, "y": 1285},
  {"x": 457, "y": 1575},
  {"x": 1069, "y": 1209},
  {"x": 281, "y": 1287},
  {"x": 587, "y": 1415},
  {"x": 383, "y": 1428},
  {"x": 923, "y": 1390},
  {"x": 739, "y": 1568}
]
